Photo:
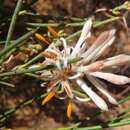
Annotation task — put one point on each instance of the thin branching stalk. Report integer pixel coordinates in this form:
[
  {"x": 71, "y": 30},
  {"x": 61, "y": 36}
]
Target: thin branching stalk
[
  {"x": 112, "y": 19},
  {"x": 109, "y": 125},
  {"x": 16, "y": 42},
  {"x": 32, "y": 70},
  {"x": 75, "y": 24},
  {"x": 3, "y": 42},
  {"x": 56, "y": 24},
  {"x": 22, "y": 71},
  {"x": 100, "y": 127},
  {"x": 49, "y": 17},
  {"x": 13, "y": 22},
  {"x": 7, "y": 84}
]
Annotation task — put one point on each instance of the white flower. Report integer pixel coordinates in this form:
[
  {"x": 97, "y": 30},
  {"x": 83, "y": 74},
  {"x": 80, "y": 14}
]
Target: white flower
[{"x": 65, "y": 72}]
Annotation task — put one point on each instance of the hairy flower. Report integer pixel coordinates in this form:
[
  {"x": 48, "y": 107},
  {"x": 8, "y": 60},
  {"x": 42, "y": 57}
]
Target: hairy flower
[{"x": 75, "y": 64}]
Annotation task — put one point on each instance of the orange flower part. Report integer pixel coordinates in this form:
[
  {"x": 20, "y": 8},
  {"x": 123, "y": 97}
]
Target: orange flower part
[
  {"x": 69, "y": 110},
  {"x": 52, "y": 31},
  {"x": 48, "y": 98},
  {"x": 41, "y": 38}
]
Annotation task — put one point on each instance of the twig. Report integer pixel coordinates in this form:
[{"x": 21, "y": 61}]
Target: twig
[
  {"x": 56, "y": 24},
  {"x": 13, "y": 22},
  {"x": 112, "y": 19},
  {"x": 22, "y": 71},
  {"x": 75, "y": 24},
  {"x": 49, "y": 17},
  {"x": 32, "y": 70},
  {"x": 17, "y": 42},
  {"x": 100, "y": 127},
  {"x": 7, "y": 84}
]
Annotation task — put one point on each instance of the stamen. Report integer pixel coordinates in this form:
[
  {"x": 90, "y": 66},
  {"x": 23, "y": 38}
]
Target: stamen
[
  {"x": 41, "y": 38},
  {"x": 48, "y": 97},
  {"x": 69, "y": 110},
  {"x": 52, "y": 31}
]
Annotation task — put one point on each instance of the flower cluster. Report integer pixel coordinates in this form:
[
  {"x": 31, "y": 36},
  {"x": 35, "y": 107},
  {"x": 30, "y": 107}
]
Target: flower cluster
[{"x": 74, "y": 64}]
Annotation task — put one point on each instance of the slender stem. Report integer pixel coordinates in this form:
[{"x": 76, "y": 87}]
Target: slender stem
[
  {"x": 22, "y": 71},
  {"x": 7, "y": 55},
  {"x": 56, "y": 24},
  {"x": 70, "y": 128},
  {"x": 100, "y": 127},
  {"x": 75, "y": 24},
  {"x": 112, "y": 19},
  {"x": 16, "y": 42},
  {"x": 39, "y": 56},
  {"x": 13, "y": 22},
  {"x": 7, "y": 84},
  {"x": 3, "y": 42},
  {"x": 43, "y": 25},
  {"x": 34, "y": 76},
  {"x": 32, "y": 70},
  {"x": 49, "y": 17},
  {"x": 73, "y": 35}
]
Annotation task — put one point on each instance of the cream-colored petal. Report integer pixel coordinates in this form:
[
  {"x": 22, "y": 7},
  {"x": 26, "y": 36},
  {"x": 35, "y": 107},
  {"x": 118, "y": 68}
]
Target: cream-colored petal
[
  {"x": 113, "y": 78},
  {"x": 96, "y": 99},
  {"x": 96, "y": 66},
  {"x": 103, "y": 48},
  {"x": 117, "y": 60},
  {"x": 100, "y": 86},
  {"x": 84, "y": 35},
  {"x": 104, "y": 40}
]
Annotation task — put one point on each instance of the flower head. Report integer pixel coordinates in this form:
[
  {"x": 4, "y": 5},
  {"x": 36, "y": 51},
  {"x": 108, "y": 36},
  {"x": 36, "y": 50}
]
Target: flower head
[{"x": 74, "y": 64}]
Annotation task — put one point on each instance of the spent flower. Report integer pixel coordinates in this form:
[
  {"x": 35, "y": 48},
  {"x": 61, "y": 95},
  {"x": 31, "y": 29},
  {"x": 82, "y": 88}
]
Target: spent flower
[{"x": 72, "y": 64}]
